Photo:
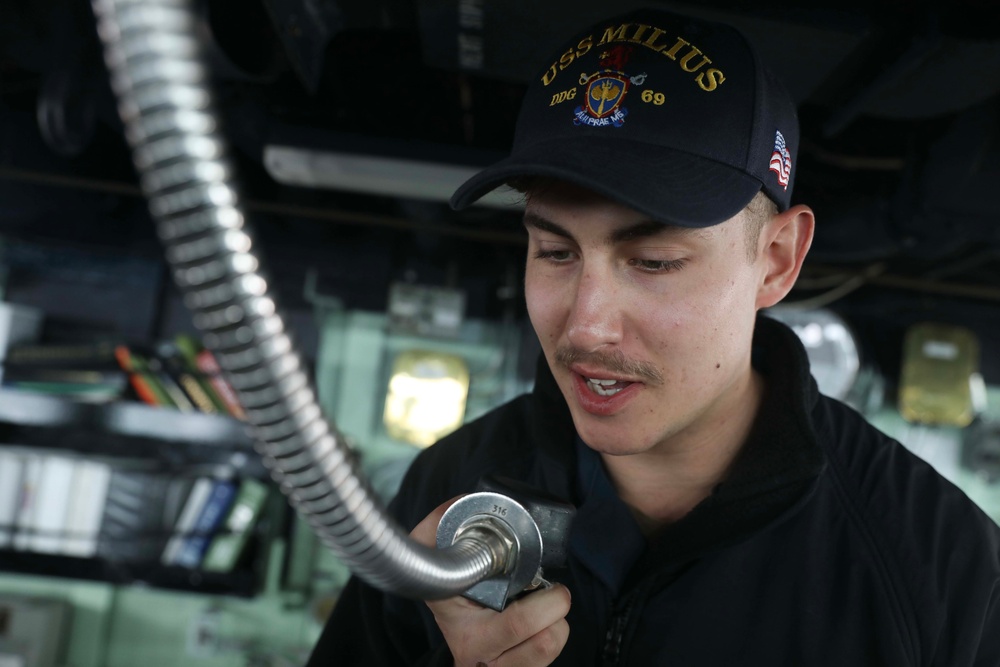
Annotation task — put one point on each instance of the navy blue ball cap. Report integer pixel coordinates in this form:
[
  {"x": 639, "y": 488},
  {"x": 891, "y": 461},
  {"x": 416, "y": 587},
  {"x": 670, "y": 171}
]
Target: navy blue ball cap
[{"x": 673, "y": 116}]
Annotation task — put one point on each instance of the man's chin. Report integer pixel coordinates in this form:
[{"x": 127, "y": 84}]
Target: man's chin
[{"x": 611, "y": 445}]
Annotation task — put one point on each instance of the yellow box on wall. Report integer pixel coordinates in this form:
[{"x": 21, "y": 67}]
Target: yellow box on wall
[{"x": 939, "y": 362}]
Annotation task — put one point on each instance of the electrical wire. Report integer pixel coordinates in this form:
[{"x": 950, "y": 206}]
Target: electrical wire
[{"x": 840, "y": 291}]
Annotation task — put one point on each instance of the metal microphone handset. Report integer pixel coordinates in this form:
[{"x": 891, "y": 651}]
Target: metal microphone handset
[{"x": 527, "y": 531}]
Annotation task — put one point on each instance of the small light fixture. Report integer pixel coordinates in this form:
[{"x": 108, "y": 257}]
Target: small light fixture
[
  {"x": 426, "y": 396},
  {"x": 377, "y": 175}
]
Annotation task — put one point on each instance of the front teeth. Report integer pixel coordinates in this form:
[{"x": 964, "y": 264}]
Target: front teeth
[{"x": 603, "y": 387}]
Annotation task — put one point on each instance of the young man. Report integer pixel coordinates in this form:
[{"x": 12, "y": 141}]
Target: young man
[{"x": 727, "y": 514}]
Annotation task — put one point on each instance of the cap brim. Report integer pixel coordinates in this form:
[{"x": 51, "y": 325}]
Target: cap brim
[{"x": 667, "y": 185}]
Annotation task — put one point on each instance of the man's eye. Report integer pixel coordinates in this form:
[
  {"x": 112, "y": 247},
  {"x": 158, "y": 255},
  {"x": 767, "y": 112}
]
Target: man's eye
[
  {"x": 657, "y": 265},
  {"x": 554, "y": 255}
]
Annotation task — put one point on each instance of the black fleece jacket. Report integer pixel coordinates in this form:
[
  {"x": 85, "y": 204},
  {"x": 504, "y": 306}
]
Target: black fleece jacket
[{"x": 828, "y": 544}]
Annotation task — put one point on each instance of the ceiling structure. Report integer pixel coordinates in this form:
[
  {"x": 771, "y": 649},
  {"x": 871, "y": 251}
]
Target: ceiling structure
[{"x": 899, "y": 103}]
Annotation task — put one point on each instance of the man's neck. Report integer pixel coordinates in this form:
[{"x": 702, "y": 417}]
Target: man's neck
[{"x": 662, "y": 485}]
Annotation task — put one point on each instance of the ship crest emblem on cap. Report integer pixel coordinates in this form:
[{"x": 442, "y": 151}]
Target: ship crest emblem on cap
[
  {"x": 781, "y": 160},
  {"x": 605, "y": 92}
]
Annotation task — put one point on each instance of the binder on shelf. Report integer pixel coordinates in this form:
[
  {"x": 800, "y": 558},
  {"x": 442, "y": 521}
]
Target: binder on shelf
[
  {"x": 47, "y": 520},
  {"x": 87, "y": 498},
  {"x": 188, "y": 350},
  {"x": 27, "y": 498},
  {"x": 187, "y": 519},
  {"x": 147, "y": 386},
  {"x": 11, "y": 467},
  {"x": 185, "y": 376},
  {"x": 84, "y": 372},
  {"x": 227, "y": 546},
  {"x": 67, "y": 356},
  {"x": 134, "y": 521},
  {"x": 212, "y": 514},
  {"x": 209, "y": 367},
  {"x": 197, "y": 394},
  {"x": 173, "y": 390},
  {"x": 192, "y": 543},
  {"x": 80, "y": 385}
]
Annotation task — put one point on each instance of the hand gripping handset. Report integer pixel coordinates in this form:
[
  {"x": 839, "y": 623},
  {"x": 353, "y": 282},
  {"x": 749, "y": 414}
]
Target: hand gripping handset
[{"x": 529, "y": 530}]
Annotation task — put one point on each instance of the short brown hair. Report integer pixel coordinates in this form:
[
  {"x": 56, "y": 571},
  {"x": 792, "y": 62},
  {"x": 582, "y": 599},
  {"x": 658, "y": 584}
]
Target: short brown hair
[{"x": 760, "y": 209}]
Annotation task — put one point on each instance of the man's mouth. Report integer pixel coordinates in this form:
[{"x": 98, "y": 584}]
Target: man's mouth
[
  {"x": 606, "y": 387},
  {"x": 603, "y": 396}
]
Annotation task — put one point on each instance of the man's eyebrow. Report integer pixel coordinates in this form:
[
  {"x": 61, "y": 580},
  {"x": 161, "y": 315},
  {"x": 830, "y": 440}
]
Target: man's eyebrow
[
  {"x": 545, "y": 225},
  {"x": 637, "y": 231},
  {"x": 642, "y": 229}
]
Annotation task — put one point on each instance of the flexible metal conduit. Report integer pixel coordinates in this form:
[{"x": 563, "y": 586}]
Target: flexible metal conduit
[{"x": 153, "y": 54}]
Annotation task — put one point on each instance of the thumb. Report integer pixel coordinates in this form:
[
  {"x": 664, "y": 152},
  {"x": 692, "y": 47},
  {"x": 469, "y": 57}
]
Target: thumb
[{"x": 426, "y": 531}]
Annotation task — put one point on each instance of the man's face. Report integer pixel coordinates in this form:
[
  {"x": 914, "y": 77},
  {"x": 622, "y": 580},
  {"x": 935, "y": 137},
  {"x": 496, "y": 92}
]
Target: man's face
[{"x": 646, "y": 328}]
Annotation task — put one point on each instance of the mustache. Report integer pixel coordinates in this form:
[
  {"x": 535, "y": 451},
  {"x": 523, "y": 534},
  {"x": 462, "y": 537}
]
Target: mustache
[{"x": 614, "y": 361}]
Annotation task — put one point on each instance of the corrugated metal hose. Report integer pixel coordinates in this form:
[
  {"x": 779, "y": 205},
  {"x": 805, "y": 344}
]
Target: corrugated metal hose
[{"x": 153, "y": 54}]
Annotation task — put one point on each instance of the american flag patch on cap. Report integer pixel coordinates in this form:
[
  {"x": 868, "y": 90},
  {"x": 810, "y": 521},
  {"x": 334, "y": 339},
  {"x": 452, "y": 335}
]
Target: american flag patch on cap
[{"x": 781, "y": 160}]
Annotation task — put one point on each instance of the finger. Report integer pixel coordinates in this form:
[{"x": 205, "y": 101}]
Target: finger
[
  {"x": 463, "y": 623},
  {"x": 539, "y": 650},
  {"x": 525, "y": 618},
  {"x": 426, "y": 531},
  {"x": 477, "y": 634}
]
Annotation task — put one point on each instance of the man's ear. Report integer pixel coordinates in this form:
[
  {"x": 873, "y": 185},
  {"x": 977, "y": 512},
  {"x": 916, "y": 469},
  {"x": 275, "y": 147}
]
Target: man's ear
[{"x": 785, "y": 241}]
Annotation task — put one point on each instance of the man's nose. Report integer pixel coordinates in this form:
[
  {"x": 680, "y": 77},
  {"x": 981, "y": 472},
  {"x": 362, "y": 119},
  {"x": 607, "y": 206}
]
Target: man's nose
[{"x": 596, "y": 316}]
